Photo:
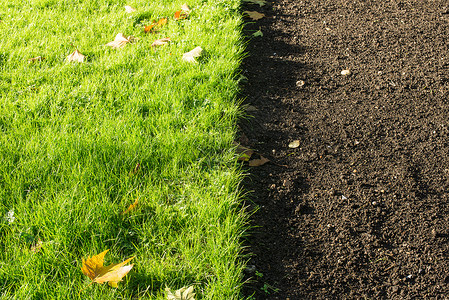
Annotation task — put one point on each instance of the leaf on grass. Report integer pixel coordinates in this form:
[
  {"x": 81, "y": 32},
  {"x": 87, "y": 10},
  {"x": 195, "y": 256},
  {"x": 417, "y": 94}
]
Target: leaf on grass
[
  {"x": 94, "y": 269},
  {"x": 186, "y": 8},
  {"x": 294, "y": 144},
  {"x": 156, "y": 25},
  {"x": 185, "y": 293},
  {"x": 131, "y": 207},
  {"x": 161, "y": 42},
  {"x": 258, "y": 33},
  {"x": 260, "y": 2},
  {"x": 182, "y": 13},
  {"x": 254, "y": 15},
  {"x": 120, "y": 41},
  {"x": 35, "y": 59},
  {"x": 129, "y": 9},
  {"x": 76, "y": 56},
  {"x": 258, "y": 162},
  {"x": 192, "y": 55}
]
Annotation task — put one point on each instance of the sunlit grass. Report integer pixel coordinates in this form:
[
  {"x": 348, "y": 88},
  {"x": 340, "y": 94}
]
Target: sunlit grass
[{"x": 72, "y": 134}]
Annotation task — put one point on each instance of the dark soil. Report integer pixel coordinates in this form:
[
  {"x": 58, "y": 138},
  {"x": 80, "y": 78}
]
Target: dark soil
[{"x": 360, "y": 210}]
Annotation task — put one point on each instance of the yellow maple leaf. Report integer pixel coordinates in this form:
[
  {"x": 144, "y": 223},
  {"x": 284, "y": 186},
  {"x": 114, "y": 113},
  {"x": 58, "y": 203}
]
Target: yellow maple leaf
[{"x": 94, "y": 269}]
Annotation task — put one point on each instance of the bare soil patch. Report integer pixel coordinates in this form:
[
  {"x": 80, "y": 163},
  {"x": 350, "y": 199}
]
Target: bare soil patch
[{"x": 361, "y": 208}]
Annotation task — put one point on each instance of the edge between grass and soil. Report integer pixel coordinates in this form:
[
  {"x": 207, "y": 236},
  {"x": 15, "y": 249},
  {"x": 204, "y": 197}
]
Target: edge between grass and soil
[{"x": 82, "y": 142}]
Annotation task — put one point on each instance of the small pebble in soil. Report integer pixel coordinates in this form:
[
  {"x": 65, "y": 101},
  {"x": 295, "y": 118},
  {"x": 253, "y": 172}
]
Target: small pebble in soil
[
  {"x": 345, "y": 72},
  {"x": 300, "y": 83},
  {"x": 294, "y": 144},
  {"x": 343, "y": 197}
]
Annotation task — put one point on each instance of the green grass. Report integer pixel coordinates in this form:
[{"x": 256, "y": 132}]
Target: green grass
[{"x": 71, "y": 135}]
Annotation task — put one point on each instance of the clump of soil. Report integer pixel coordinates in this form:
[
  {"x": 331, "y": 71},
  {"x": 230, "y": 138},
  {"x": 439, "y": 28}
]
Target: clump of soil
[{"x": 361, "y": 208}]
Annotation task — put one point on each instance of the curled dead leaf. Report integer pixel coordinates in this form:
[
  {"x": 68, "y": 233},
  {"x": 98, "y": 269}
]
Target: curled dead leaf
[
  {"x": 120, "y": 41},
  {"x": 254, "y": 15},
  {"x": 192, "y": 55},
  {"x": 161, "y": 42},
  {"x": 76, "y": 56}
]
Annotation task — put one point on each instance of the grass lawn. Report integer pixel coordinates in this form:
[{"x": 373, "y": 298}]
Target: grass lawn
[{"x": 82, "y": 141}]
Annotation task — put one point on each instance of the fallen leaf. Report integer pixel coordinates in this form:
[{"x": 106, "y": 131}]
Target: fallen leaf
[
  {"x": 161, "y": 42},
  {"x": 185, "y": 293},
  {"x": 156, "y": 25},
  {"x": 294, "y": 144},
  {"x": 185, "y": 8},
  {"x": 258, "y": 162},
  {"x": 254, "y": 15},
  {"x": 179, "y": 15},
  {"x": 120, "y": 41},
  {"x": 35, "y": 59},
  {"x": 244, "y": 153},
  {"x": 94, "y": 269},
  {"x": 257, "y": 33},
  {"x": 76, "y": 56},
  {"x": 129, "y": 9},
  {"x": 131, "y": 207},
  {"x": 250, "y": 108},
  {"x": 260, "y": 2},
  {"x": 192, "y": 55}
]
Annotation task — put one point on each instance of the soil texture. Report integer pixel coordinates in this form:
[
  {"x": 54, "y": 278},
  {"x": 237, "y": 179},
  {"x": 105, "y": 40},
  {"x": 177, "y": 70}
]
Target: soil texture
[{"x": 360, "y": 209}]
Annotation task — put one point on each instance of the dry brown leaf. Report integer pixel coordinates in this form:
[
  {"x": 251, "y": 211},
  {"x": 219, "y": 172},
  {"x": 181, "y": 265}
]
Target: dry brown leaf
[
  {"x": 76, "y": 56},
  {"x": 254, "y": 15},
  {"x": 192, "y": 55},
  {"x": 120, "y": 41},
  {"x": 129, "y": 9},
  {"x": 131, "y": 207},
  {"x": 94, "y": 269},
  {"x": 161, "y": 42},
  {"x": 35, "y": 59},
  {"x": 260, "y": 2},
  {"x": 185, "y": 8},
  {"x": 258, "y": 162}
]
